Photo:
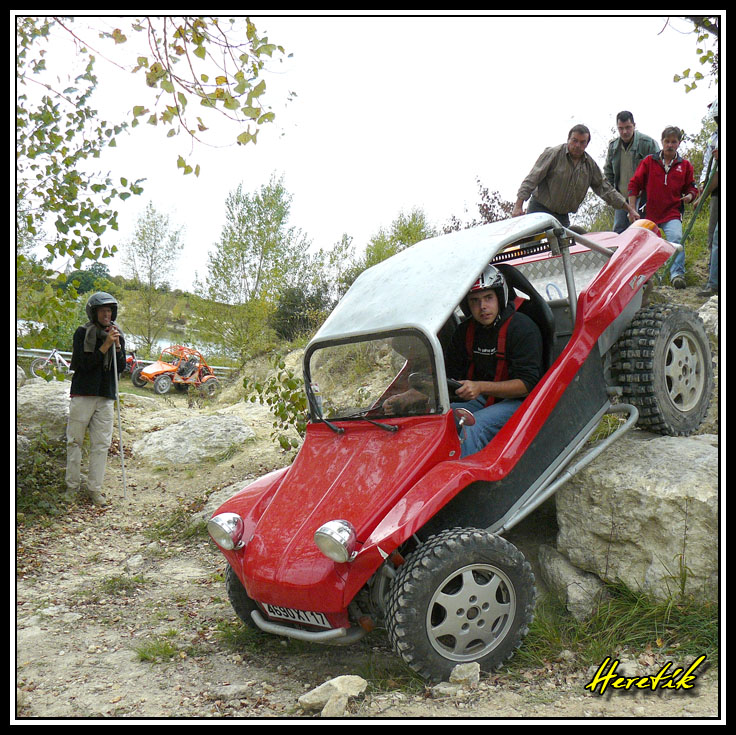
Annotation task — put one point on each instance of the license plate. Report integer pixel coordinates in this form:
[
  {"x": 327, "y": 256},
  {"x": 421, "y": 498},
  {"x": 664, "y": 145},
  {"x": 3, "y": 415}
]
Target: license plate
[{"x": 304, "y": 617}]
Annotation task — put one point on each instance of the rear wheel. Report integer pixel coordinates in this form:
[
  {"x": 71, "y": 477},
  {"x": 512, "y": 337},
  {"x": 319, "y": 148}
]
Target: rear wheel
[
  {"x": 136, "y": 379},
  {"x": 664, "y": 364},
  {"x": 464, "y": 596},
  {"x": 209, "y": 387}
]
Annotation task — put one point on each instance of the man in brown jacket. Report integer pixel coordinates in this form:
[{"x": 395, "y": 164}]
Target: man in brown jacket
[{"x": 561, "y": 177}]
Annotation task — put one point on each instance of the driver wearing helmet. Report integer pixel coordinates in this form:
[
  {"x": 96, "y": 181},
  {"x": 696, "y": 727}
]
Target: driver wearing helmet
[
  {"x": 496, "y": 355},
  {"x": 99, "y": 349},
  {"x": 494, "y": 378}
]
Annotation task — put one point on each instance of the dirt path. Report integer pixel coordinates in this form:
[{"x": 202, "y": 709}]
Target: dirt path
[{"x": 119, "y": 618}]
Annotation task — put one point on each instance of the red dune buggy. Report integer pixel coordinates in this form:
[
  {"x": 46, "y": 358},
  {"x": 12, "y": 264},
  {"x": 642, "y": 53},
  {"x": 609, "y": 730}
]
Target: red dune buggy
[
  {"x": 379, "y": 522},
  {"x": 179, "y": 366}
]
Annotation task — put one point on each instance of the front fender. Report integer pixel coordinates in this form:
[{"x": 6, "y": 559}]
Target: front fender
[{"x": 412, "y": 512}]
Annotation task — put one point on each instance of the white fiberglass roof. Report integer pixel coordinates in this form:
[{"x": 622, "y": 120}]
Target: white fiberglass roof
[{"x": 421, "y": 286}]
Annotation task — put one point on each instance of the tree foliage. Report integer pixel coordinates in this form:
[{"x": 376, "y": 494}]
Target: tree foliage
[
  {"x": 492, "y": 207},
  {"x": 707, "y": 32},
  {"x": 150, "y": 258},
  {"x": 257, "y": 256},
  {"x": 190, "y": 67}
]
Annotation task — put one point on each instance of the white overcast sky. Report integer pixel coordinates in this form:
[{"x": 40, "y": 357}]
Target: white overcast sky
[{"x": 395, "y": 113}]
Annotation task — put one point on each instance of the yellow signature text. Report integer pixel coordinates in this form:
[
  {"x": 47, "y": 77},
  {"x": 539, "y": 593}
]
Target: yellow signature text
[{"x": 676, "y": 679}]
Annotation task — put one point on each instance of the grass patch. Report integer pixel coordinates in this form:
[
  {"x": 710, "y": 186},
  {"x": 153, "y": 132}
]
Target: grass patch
[
  {"x": 627, "y": 620},
  {"x": 121, "y": 584},
  {"x": 158, "y": 649},
  {"x": 178, "y": 524}
]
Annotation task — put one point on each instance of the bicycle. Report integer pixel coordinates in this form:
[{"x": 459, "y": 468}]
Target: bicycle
[{"x": 53, "y": 364}]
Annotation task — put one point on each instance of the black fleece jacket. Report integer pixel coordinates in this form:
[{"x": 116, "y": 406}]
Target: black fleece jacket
[
  {"x": 523, "y": 351},
  {"x": 90, "y": 377}
]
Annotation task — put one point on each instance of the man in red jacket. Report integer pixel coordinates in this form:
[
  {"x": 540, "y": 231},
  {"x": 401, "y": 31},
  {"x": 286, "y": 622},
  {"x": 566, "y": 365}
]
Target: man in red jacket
[{"x": 668, "y": 180}]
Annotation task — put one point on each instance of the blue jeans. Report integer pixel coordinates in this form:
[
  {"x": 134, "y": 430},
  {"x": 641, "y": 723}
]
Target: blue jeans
[
  {"x": 672, "y": 231},
  {"x": 488, "y": 422},
  {"x": 713, "y": 274},
  {"x": 535, "y": 206},
  {"x": 620, "y": 220}
]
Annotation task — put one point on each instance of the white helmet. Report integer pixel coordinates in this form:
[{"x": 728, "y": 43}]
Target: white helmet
[{"x": 492, "y": 278}]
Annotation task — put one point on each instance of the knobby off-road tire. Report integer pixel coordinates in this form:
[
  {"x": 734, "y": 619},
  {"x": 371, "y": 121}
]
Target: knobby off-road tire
[
  {"x": 241, "y": 603},
  {"x": 465, "y": 595},
  {"x": 135, "y": 378},
  {"x": 664, "y": 364},
  {"x": 209, "y": 387}
]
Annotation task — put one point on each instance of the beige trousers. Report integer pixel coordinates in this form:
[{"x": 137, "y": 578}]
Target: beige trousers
[{"x": 95, "y": 414}]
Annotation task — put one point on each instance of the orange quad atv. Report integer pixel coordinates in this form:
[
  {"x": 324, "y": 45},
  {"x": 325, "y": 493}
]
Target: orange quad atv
[{"x": 178, "y": 366}]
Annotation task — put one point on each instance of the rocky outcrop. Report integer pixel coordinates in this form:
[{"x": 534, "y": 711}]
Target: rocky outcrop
[
  {"x": 193, "y": 439},
  {"x": 178, "y": 438},
  {"x": 645, "y": 513},
  {"x": 708, "y": 312},
  {"x": 42, "y": 407}
]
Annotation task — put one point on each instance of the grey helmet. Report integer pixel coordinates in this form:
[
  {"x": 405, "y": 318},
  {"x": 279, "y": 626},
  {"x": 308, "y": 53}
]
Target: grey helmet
[
  {"x": 101, "y": 298},
  {"x": 492, "y": 278}
]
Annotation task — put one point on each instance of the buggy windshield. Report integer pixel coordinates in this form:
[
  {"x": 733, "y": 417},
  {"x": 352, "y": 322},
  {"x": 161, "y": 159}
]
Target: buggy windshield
[{"x": 352, "y": 379}]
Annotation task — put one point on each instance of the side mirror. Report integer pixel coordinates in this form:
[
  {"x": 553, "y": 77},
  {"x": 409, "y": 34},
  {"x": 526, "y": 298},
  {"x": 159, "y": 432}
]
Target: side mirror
[{"x": 463, "y": 417}]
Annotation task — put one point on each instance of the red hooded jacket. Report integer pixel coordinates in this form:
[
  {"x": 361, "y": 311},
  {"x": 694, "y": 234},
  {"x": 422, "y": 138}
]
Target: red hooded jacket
[{"x": 664, "y": 189}]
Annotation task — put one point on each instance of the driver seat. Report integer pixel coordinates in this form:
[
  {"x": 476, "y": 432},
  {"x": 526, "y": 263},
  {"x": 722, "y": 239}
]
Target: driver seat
[{"x": 535, "y": 307}]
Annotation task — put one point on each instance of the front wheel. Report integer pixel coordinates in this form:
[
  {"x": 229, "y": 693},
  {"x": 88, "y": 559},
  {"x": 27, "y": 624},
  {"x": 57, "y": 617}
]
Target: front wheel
[
  {"x": 464, "y": 596},
  {"x": 664, "y": 364},
  {"x": 162, "y": 384},
  {"x": 242, "y": 604}
]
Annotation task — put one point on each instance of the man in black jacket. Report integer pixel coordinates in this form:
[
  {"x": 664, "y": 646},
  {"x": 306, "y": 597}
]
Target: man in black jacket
[
  {"x": 497, "y": 357},
  {"x": 99, "y": 348}
]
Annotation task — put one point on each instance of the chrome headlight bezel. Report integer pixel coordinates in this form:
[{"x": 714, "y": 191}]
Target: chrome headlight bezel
[
  {"x": 336, "y": 540},
  {"x": 226, "y": 530}
]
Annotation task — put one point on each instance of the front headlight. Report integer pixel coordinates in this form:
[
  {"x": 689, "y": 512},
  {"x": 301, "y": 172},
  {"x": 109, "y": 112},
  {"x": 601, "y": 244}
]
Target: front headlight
[
  {"x": 226, "y": 530},
  {"x": 336, "y": 540}
]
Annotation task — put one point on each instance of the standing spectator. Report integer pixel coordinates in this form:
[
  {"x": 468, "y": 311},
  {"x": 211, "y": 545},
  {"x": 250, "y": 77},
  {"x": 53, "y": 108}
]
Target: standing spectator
[
  {"x": 668, "y": 181},
  {"x": 99, "y": 346},
  {"x": 624, "y": 155},
  {"x": 710, "y": 162},
  {"x": 711, "y": 287},
  {"x": 561, "y": 177}
]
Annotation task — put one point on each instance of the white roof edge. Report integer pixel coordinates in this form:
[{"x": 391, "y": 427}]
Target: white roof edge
[{"x": 420, "y": 287}]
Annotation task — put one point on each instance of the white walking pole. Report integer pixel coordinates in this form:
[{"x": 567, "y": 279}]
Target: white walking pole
[{"x": 120, "y": 422}]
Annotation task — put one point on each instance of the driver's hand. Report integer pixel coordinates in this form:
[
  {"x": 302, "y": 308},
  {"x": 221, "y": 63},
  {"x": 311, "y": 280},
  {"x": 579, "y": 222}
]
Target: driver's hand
[
  {"x": 468, "y": 390},
  {"x": 391, "y": 404},
  {"x": 400, "y": 402}
]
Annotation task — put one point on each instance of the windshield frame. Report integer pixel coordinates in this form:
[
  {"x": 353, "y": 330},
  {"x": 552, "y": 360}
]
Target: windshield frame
[{"x": 434, "y": 353}]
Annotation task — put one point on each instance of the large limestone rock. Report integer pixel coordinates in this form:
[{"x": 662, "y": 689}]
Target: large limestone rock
[
  {"x": 193, "y": 439},
  {"x": 646, "y": 513},
  {"x": 708, "y": 312},
  {"x": 43, "y": 407}
]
